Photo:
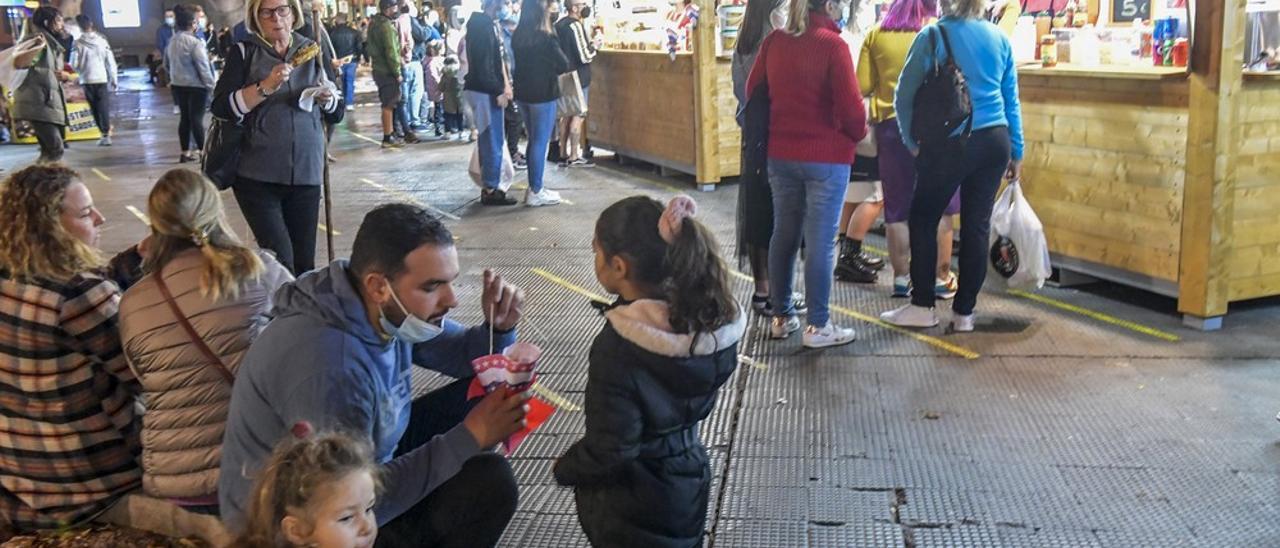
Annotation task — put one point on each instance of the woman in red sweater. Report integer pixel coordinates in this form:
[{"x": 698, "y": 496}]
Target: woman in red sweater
[{"x": 816, "y": 120}]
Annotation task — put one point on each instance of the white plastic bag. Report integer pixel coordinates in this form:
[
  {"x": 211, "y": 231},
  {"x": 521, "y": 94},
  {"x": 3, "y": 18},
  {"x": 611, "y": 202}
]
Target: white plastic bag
[
  {"x": 1019, "y": 252},
  {"x": 12, "y": 77},
  {"x": 508, "y": 170}
]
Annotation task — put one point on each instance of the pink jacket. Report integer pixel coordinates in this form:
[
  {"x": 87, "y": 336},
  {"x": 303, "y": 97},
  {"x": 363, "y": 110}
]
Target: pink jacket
[{"x": 434, "y": 68}]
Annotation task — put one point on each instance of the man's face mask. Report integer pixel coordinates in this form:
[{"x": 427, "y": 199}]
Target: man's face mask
[
  {"x": 413, "y": 329},
  {"x": 169, "y": 20}
]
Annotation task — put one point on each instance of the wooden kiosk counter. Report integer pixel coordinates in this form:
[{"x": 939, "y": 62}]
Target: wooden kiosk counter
[{"x": 1160, "y": 178}]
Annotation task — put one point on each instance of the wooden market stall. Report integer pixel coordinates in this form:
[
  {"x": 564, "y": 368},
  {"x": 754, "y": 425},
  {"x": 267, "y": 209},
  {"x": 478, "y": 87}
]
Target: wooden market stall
[
  {"x": 676, "y": 112},
  {"x": 1162, "y": 178}
]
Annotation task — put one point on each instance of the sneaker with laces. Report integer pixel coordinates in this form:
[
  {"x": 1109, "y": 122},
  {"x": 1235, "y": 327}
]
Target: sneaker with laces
[
  {"x": 105, "y": 141},
  {"x": 582, "y": 162},
  {"x": 901, "y": 287},
  {"x": 962, "y": 323},
  {"x": 781, "y": 327},
  {"x": 761, "y": 304},
  {"x": 910, "y": 316},
  {"x": 828, "y": 336},
  {"x": 519, "y": 163},
  {"x": 545, "y": 198},
  {"x": 411, "y": 138},
  {"x": 391, "y": 141},
  {"x": 946, "y": 289}
]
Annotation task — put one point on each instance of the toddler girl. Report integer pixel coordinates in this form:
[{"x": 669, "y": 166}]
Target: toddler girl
[
  {"x": 318, "y": 492},
  {"x": 640, "y": 474}
]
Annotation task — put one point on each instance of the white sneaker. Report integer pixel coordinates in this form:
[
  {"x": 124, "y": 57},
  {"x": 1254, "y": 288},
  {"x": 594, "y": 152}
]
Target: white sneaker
[
  {"x": 176, "y": 110},
  {"x": 962, "y": 324},
  {"x": 823, "y": 337},
  {"x": 781, "y": 327},
  {"x": 105, "y": 141},
  {"x": 910, "y": 316},
  {"x": 545, "y": 198},
  {"x": 350, "y": 108}
]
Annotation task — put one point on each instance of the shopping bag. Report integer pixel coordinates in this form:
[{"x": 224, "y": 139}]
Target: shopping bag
[
  {"x": 573, "y": 102},
  {"x": 11, "y": 77},
  {"x": 1019, "y": 252},
  {"x": 508, "y": 170}
]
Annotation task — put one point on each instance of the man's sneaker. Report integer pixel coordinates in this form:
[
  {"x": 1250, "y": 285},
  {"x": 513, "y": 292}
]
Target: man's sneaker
[
  {"x": 901, "y": 287},
  {"x": 392, "y": 141},
  {"x": 850, "y": 269},
  {"x": 582, "y": 162},
  {"x": 496, "y": 197},
  {"x": 105, "y": 141},
  {"x": 518, "y": 161},
  {"x": 545, "y": 198},
  {"x": 946, "y": 289},
  {"x": 830, "y": 335},
  {"x": 411, "y": 138},
  {"x": 781, "y": 327},
  {"x": 962, "y": 324},
  {"x": 910, "y": 316},
  {"x": 350, "y": 108}
]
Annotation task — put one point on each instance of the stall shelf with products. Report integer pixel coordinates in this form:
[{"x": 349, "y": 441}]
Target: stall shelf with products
[
  {"x": 670, "y": 106},
  {"x": 1161, "y": 178}
]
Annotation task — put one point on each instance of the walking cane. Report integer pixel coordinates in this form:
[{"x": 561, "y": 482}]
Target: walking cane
[{"x": 328, "y": 198}]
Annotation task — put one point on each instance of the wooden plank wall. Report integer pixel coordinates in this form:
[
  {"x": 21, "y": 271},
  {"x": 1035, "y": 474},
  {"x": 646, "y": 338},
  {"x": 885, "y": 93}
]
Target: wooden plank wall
[
  {"x": 1104, "y": 168},
  {"x": 642, "y": 104},
  {"x": 730, "y": 137},
  {"x": 1255, "y": 257}
]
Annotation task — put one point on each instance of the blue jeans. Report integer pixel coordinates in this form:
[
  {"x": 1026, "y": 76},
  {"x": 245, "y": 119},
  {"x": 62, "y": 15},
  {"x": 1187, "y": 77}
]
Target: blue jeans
[
  {"x": 413, "y": 92},
  {"x": 349, "y": 83},
  {"x": 807, "y": 197},
  {"x": 540, "y": 122},
  {"x": 490, "y": 146}
]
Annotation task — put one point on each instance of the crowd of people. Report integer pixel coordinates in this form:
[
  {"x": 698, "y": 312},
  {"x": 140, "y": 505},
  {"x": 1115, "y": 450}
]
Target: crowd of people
[{"x": 249, "y": 386}]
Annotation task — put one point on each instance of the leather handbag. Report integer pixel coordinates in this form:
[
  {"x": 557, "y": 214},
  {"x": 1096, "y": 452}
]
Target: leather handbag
[
  {"x": 221, "y": 159},
  {"x": 191, "y": 331}
]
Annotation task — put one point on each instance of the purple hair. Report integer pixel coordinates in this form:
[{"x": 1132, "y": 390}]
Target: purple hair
[{"x": 908, "y": 15}]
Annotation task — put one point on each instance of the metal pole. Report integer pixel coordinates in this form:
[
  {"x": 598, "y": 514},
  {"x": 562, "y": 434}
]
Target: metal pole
[{"x": 328, "y": 193}]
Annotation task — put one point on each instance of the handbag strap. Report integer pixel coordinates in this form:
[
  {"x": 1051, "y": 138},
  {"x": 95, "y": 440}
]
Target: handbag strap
[{"x": 191, "y": 331}]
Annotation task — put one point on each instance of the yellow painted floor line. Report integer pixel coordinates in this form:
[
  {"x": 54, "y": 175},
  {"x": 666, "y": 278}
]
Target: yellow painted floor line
[
  {"x": 1099, "y": 316},
  {"x": 570, "y": 286},
  {"x": 99, "y": 173},
  {"x": 409, "y": 198},
  {"x": 139, "y": 214},
  {"x": 555, "y": 399},
  {"x": 932, "y": 341},
  {"x": 322, "y": 228}
]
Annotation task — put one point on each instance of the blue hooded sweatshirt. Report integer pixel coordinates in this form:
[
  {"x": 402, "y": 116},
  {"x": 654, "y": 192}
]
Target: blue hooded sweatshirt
[{"x": 321, "y": 361}]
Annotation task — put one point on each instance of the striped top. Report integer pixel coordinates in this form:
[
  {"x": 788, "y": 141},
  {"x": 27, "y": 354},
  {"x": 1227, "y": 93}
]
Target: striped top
[{"x": 68, "y": 429}]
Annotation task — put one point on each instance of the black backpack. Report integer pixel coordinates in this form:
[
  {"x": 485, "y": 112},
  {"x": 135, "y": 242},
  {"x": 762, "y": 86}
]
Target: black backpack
[{"x": 942, "y": 103}]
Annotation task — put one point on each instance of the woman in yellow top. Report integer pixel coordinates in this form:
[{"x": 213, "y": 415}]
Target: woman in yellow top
[{"x": 884, "y": 52}]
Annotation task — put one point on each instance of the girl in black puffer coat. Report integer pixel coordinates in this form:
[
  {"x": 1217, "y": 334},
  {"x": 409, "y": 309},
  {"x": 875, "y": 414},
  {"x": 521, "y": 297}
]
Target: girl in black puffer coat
[{"x": 640, "y": 475}]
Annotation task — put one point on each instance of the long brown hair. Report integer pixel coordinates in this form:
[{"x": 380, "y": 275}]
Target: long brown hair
[
  {"x": 752, "y": 32},
  {"x": 186, "y": 212},
  {"x": 533, "y": 19},
  {"x": 689, "y": 271},
  {"x": 34, "y": 243},
  {"x": 298, "y": 469}
]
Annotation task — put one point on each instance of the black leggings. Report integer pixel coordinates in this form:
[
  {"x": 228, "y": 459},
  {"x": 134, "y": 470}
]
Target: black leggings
[
  {"x": 977, "y": 171},
  {"x": 99, "y": 97},
  {"x": 284, "y": 219},
  {"x": 473, "y": 508},
  {"x": 192, "y": 103},
  {"x": 50, "y": 138}
]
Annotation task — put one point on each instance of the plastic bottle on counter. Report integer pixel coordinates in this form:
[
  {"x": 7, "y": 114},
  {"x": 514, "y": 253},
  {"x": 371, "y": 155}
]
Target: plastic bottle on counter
[{"x": 1048, "y": 51}]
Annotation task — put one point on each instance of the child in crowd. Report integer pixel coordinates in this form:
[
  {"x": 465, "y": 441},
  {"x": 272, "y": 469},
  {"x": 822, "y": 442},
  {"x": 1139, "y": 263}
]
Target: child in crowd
[
  {"x": 452, "y": 91},
  {"x": 641, "y": 475},
  {"x": 434, "y": 70},
  {"x": 317, "y": 492}
]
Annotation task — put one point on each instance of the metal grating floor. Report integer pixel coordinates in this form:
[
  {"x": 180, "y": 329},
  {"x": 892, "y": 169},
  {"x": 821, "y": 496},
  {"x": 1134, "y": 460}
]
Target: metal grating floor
[{"x": 1064, "y": 432}]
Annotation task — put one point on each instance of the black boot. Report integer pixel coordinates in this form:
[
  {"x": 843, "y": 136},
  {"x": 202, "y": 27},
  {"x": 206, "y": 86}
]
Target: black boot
[{"x": 850, "y": 268}]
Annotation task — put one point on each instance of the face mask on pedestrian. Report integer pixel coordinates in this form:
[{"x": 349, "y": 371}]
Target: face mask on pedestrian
[
  {"x": 778, "y": 17},
  {"x": 413, "y": 329},
  {"x": 169, "y": 21},
  {"x": 201, "y": 22}
]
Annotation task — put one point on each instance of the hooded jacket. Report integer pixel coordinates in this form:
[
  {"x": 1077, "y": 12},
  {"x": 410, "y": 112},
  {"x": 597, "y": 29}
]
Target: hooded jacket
[
  {"x": 320, "y": 360},
  {"x": 640, "y": 475},
  {"x": 186, "y": 396},
  {"x": 94, "y": 60}
]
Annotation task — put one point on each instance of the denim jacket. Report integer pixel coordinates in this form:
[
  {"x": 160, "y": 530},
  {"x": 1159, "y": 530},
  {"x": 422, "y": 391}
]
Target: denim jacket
[{"x": 187, "y": 62}]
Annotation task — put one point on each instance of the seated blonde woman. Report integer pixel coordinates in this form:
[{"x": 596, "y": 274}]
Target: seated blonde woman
[
  {"x": 185, "y": 327},
  {"x": 70, "y": 443}
]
